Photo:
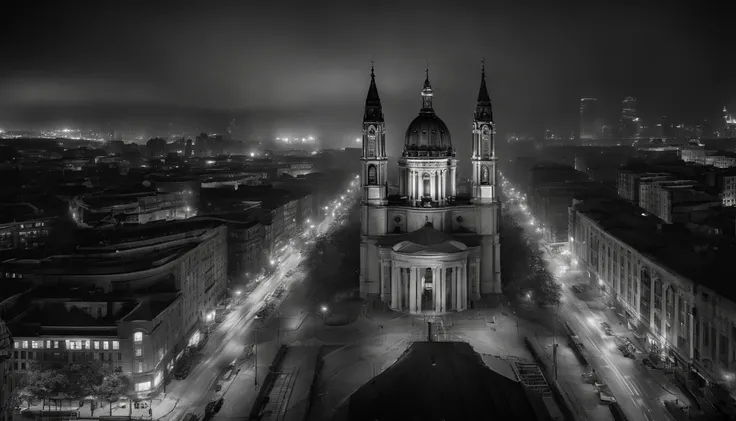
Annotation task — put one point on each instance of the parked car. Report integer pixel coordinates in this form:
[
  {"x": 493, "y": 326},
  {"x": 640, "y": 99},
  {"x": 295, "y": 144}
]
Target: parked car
[
  {"x": 606, "y": 328},
  {"x": 648, "y": 363}
]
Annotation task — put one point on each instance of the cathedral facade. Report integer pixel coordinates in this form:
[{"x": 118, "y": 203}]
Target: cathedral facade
[{"x": 427, "y": 249}]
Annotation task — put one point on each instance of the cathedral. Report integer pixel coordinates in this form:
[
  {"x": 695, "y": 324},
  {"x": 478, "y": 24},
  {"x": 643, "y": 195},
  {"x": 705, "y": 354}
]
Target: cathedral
[{"x": 428, "y": 249}]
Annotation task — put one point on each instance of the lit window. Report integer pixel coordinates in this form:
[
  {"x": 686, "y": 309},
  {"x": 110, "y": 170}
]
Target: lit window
[
  {"x": 97, "y": 344},
  {"x": 138, "y": 337},
  {"x": 115, "y": 345},
  {"x": 87, "y": 344},
  {"x": 48, "y": 344},
  {"x": 105, "y": 345},
  {"x": 143, "y": 386},
  {"x": 25, "y": 344},
  {"x": 139, "y": 352},
  {"x": 36, "y": 344}
]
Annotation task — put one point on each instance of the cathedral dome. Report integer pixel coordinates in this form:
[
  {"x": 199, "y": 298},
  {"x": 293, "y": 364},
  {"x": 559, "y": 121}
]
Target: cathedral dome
[
  {"x": 427, "y": 135},
  {"x": 428, "y": 131}
]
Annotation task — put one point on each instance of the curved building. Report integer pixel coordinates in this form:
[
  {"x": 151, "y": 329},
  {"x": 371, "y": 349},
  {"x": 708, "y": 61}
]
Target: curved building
[{"x": 428, "y": 250}]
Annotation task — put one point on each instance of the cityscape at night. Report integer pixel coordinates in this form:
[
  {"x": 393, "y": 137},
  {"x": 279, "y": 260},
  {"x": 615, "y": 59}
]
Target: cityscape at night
[{"x": 360, "y": 212}]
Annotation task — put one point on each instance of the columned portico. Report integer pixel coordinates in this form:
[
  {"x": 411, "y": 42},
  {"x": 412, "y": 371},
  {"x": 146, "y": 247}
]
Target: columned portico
[{"x": 431, "y": 289}]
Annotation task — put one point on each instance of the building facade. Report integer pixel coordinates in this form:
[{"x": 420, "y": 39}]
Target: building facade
[
  {"x": 589, "y": 127},
  {"x": 428, "y": 249},
  {"x": 675, "y": 310},
  {"x": 136, "y": 303}
]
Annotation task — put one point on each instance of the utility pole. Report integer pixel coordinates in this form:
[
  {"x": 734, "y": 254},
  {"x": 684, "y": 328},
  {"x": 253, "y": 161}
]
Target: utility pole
[{"x": 255, "y": 357}]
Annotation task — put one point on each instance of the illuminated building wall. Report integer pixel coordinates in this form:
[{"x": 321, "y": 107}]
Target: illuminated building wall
[{"x": 588, "y": 118}]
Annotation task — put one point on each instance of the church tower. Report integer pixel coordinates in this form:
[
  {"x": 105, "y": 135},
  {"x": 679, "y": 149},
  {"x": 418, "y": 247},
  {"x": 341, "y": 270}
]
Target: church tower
[
  {"x": 484, "y": 147},
  {"x": 373, "y": 157},
  {"x": 485, "y": 189},
  {"x": 374, "y": 183}
]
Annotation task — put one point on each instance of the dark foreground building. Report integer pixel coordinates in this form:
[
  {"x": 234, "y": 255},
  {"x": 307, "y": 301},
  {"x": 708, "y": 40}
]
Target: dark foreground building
[{"x": 442, "y": 381}]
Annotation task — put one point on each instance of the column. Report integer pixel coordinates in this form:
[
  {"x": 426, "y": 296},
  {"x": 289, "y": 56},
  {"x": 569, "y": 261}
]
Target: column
[
  {"x": 452, "y": 182},
  {"x": 386, "y": 285},
  {"x": 395, "y": 287},
  {"x": 434, "y": 287},
  {"x": 462, "y": 297},
  {"x": 443, "y": 272},
  {"x": 432, "y": 186},
  {"x": 420, "y": 186},
  {"x": 453, "y": 292},
  {"x": 443, "y": 184},
  {"x": 412, "y": 185},
  {"x": 412, "y": 290}
]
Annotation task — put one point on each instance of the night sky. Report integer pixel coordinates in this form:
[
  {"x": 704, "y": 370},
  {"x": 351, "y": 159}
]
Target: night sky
[{"x": 303, "y": 67}]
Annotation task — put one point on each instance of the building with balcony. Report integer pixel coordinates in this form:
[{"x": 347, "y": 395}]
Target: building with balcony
[{"x": 669, "y": 282}]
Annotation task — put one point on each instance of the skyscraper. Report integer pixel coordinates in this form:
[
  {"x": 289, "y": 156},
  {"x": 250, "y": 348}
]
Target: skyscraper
[
  {"x": 588, "y": 118},
  {"x": 629, "y": 121}
]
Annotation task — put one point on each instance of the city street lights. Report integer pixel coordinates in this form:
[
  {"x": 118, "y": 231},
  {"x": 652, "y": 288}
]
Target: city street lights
[{"x": 325, "y": 312}]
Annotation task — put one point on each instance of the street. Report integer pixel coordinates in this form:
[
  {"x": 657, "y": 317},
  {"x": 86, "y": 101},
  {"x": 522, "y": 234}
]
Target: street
[
  {"x": 635, "y": 387},
  {"x": 227, "y": 341}
]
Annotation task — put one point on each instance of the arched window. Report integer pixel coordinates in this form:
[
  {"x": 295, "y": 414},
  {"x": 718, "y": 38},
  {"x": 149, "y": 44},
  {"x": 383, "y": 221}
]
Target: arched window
[
  {"x": 427, "y": 187},
  {"x": 372, "y": 175},
  {"x": 485, "y": 141}
]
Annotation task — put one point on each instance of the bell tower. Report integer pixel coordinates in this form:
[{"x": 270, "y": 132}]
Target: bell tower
[
  {"x": 485, "y": 194},
  {"x": 374, "y": 183},
  {"x": 484, "y": 147},
  {"x": 373, "y": 158}
]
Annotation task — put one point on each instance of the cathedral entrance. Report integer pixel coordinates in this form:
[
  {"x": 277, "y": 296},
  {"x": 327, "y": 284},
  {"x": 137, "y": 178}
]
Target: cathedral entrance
[{"x": 427, "y": 291}]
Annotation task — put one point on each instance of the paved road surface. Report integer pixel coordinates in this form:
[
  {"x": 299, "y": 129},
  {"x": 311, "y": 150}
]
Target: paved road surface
[
  {"x": 638, "y": 393},
  {"x": 228, "y": 342}
]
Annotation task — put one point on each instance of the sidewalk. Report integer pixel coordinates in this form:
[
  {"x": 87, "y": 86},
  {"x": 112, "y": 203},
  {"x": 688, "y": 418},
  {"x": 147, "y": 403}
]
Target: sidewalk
[
  {"x": 155, "y": 408},
  {"x": 583, "y": 398}
]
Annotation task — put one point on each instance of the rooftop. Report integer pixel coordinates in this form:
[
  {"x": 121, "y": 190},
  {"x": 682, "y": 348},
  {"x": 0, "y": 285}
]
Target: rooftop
[
  {"x": 702, "y": 259},
  {"x": 443, "y": 381},
  {"x": 97, "y": 263},
  {"x": 151, "y": 230},
  {"x": 151, "y": 307}
]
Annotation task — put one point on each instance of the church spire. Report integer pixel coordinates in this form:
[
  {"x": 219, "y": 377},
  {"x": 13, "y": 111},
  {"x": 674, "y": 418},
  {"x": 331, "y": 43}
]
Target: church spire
[
  {"x": 483, "y": 110},
  {"x": 373, "y": 109},
  {"x": 427, "y": 93}
]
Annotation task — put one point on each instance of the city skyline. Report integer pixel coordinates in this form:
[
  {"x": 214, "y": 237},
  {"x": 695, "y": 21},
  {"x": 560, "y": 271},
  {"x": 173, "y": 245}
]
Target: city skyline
[{"x": 276, "y": 69}]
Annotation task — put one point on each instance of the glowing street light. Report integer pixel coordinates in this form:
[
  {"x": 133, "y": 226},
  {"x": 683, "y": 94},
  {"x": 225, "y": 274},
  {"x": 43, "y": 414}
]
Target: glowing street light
[
  {"x": 358, "y": 139},
  {"x": 272, "y": 262},
  {"x": 238, "y": 293}
]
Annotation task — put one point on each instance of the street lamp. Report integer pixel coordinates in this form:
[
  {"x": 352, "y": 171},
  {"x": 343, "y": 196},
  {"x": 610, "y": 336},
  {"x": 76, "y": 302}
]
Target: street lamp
[{"x": 324, "y": 311}]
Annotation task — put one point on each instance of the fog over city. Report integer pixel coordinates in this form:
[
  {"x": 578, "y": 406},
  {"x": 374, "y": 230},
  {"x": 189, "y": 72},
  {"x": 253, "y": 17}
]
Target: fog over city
[{"x": 363, "y": 211}]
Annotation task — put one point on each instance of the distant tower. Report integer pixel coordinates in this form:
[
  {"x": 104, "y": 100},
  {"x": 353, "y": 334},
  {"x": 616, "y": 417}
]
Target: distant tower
[
  {"x": 729, "y": 124},
  {"x": 188, "y": 149},
  {"x": 588, "y": 118},
  {"x": 629, "y": 120}
]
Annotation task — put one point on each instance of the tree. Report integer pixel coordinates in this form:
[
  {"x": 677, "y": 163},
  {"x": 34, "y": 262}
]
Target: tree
[
  {"x": 551, "y": 292},
  {"x": 40, "y": 383},
  {"x": 83, "y": 379},
  {"x": 112, "y": 387}
]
